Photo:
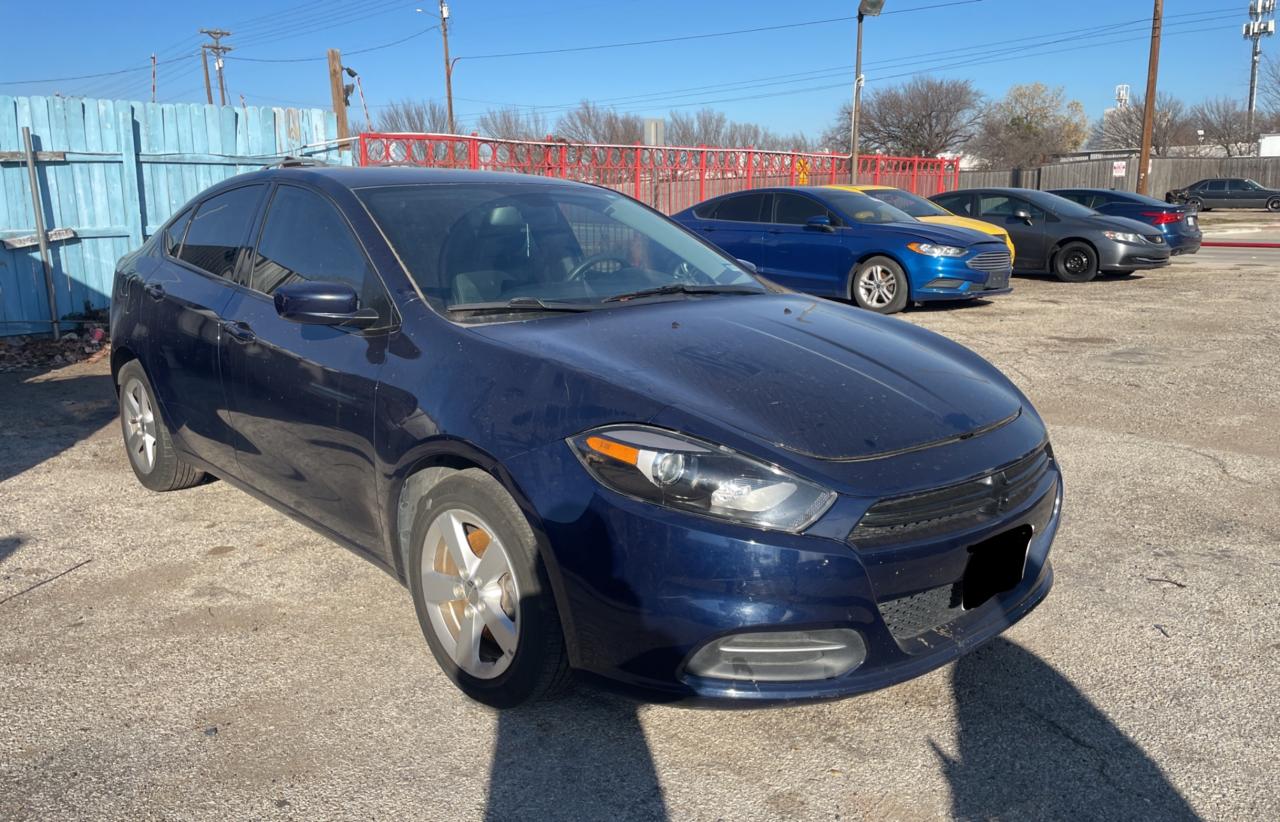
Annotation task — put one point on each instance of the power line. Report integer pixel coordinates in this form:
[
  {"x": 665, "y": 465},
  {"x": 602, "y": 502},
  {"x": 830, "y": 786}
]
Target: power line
[
  {"x": 147, "y": 67},
  {"x": 345, "y": 53}
]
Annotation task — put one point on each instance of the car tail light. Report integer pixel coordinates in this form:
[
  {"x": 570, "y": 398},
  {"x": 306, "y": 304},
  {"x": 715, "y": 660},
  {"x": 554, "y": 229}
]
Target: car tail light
[{"x": 1161, "y": 217}]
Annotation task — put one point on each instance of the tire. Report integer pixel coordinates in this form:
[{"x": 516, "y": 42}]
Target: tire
[
  {"x": 152, "y": 456},
  {"x": 1273, "y": 204},
  {"x": 1196, "y": 204},
  {"x": 878, "y": 284},
  {"x": 506, "y": 595},
  {"x": 1075, "y": 262}
]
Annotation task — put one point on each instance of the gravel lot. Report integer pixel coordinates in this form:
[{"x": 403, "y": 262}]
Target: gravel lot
[{"x": 196, "y": 655}]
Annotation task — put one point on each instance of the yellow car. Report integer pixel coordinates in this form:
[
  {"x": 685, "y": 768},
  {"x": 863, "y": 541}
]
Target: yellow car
[{"x": 928, "y": 211}]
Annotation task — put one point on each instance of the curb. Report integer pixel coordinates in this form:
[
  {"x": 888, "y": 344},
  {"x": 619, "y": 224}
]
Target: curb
[{"x": 1229, "y": 244}]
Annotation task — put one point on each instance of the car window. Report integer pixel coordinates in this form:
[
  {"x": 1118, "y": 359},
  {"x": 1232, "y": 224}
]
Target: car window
[
  {"x": 1002, "y": 205},
  {"x": 912, "y": 204},
  {"x": 305, "y": 239},
  {"x": 961, "y": 204},
  {"x": 175, "y": 232},
  {"x": 219, "y": 230},
  {"x": 796, "y": 209},
  {"x": 1216, "y": 185},
  {"x": 1250, "y": 185},
  {"x": 744, "y": 208},
  {"x": 1084, "y": 198}
]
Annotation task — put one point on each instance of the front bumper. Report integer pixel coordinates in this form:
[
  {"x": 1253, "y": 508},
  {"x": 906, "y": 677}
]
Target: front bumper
[
  {"x": 642, "y": 588},
  {"x": 946, "y": 278},
  {"x": 1117, "y": 256}
]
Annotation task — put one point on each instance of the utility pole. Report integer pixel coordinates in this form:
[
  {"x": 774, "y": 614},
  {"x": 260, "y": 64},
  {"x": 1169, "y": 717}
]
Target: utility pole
[
  {"x": 218, "y": 51},
  {"x": 873, "y": 8},
  {"x": 1260, "y": 25},
  {"x": 153, "y": 77},
  {"x": 1149, "y": 104},
  {"x": 339, "y": 94},
  {"x": 448, "y": 65},
  {"x": 208, "y": 89}
]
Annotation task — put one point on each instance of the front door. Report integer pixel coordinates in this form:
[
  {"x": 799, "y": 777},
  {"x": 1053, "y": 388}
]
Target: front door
[
  {"x": 185, "y": 295},
  {"x": 806, "y": 259},
  {"x": 1029, "y": 237},
  {"x": 302, "y": 396}
]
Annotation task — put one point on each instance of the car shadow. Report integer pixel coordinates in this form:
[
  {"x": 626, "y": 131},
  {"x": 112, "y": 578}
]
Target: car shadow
[
  {"x": 1031, "y": 746},
  {"x": 1045, "y": 276},
  {"x": 44, "y": 414},
  {"x": 583, "y": 756},
  {"x": 10, "y": 545}
]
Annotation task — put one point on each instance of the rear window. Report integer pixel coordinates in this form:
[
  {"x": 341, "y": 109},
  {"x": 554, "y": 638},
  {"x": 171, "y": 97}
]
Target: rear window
[{"x": 744, "y": 208}]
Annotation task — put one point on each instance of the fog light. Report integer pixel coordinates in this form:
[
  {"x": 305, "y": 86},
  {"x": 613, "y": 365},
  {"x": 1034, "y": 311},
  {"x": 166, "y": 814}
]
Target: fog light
[
  {"x": 945, "y": 282},
  {"x": 781, "y": 656}
]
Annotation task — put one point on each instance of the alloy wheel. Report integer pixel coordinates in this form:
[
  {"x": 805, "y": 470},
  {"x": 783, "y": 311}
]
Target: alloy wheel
[
  {"x": 470, "y": 593},
  {"x": 140, "y": 425},
  {"x": 877, "y": 286}
]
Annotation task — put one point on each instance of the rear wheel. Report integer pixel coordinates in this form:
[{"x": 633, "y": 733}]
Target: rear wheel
[
  {"x": 152, "y": 456},
  {"x": 1273, "y": 204},
  {"x": 880, "y": 285},
  {"x": 1197, "y": 204},
  {"x": 1075, "y": 262},
  {"x": 482, "y": 595}
]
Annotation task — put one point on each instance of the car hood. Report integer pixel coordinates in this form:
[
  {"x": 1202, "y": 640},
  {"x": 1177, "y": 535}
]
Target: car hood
[
  {"x": 929, "y": 232},
  {"x": 807, "y": 375}
]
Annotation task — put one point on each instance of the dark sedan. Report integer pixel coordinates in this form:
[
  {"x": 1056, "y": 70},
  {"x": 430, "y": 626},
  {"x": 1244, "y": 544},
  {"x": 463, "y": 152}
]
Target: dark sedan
[
  {"x": 1226, "y": 192},
  {"x": 583, "y": 437},
  {"x": 1054, "y": 234},
  {"x": 1178, "y": 223}
]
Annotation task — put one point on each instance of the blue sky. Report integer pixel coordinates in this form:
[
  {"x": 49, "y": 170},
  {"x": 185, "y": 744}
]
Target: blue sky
[{"x": 788, "y": 79}]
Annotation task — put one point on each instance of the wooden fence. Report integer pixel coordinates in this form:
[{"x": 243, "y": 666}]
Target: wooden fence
[
  {"x": 109, "y": 173},
  {"x": 1166, "y": 173}
]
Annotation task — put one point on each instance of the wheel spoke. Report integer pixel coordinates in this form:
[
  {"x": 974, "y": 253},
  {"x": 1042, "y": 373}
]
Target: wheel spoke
[
  {"x": 438, "y": 587},
  {"x": 466, "y": 649},
  {"x": 150, "y": 443},
  {"x": 455, "y": 540},
  {"x": 502, "y": 628},
  {"x": 490, "y": 567},
  {"x": 131, "y": 403},
  {"x": 135, "y": 442}
]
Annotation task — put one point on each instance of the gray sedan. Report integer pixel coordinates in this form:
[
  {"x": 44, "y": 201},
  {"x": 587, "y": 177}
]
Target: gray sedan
[{"x": 1051, "y": 233}]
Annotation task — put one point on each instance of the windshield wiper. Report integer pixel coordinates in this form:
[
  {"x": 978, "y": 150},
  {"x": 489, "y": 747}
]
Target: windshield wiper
[
  {"x": 522, "y": 304},
  {"x": 683, "y": 288}
]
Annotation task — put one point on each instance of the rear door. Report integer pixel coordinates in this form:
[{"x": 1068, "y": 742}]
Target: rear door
[
  {"x": 185, "y": 295},
  {"x": 803, "y": 258},
  {"x": 1030, "y": 240},
  {"x": 737, "y": 224},
  {"x": 302, "y": 396},
  {"x": 1214, "y": 194}
]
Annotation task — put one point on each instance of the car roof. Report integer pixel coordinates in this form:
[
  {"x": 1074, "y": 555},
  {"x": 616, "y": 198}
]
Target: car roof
[{"x": 860, "y": 188}]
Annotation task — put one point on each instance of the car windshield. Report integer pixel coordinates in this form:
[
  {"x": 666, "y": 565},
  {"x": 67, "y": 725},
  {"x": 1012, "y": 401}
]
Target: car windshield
[
  {"x": 1061, "y": 205},
  {"x": 539, "y": 246},
  {"x": 912, "y": 204},
  {"x": 1252, "y": 186},
  {"x": 863, "y": 209}
]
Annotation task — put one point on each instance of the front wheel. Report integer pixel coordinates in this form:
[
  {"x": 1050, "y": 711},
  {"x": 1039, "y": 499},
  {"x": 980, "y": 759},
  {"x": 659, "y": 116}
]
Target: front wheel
[
  {"x": 482, "y": 596},
  {"x": 1273, "y": 204},
  {"x": 1197, "y": 204},
  {"x": 880, "y": 285},
  {"x": 1075, "y": 263},
  {"x": 155, "y": 461}
]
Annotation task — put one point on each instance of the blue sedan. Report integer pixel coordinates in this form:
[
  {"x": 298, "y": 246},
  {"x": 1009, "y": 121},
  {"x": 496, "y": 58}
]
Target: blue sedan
[
  {"x": 1180, "y": 224},
  {"x": 846, "y": 245},
  {"x": 583, "y": 438}
]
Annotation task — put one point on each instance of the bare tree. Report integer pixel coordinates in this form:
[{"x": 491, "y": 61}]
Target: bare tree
[
  {"x": 1269, "y": 84},
  {"x": 1225, "y": 124},
  {"x": 513, "y": 124},
  {"x": 1122, "y": 127},
  {"x": 923, "y": 117},
  {"x": 712, "y": 128},
  {"x": 590, "y": 123},
  {"x": 1031, "y": 124},
  {"x": 414, "y": 116}
]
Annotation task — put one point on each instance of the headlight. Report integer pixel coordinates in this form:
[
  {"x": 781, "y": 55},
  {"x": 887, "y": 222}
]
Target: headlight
[
  {"x": 934, "y": 250},
  {"x": 1122, "y": 236},
  {"x": 687, "y": 474}
]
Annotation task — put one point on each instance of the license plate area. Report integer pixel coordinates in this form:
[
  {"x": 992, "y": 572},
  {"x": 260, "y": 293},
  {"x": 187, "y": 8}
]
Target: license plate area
[
  {"x": 998, "y": 279},
  {"x": 995, "y": 566}
]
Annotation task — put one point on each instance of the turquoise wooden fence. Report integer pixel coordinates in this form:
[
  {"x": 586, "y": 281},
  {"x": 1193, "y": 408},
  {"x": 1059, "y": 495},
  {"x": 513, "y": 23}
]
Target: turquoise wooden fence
[{"x": 116, "y": 171}]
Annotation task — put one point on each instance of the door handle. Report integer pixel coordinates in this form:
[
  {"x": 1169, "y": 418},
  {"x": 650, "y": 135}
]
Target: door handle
[
  {"x": 240, "y": 331},
  {"x": 154, "y": 290},
  {"x": 708, "y": 229}
]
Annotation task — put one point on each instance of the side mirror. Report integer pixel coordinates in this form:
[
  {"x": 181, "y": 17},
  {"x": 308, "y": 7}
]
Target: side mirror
[
  {"x": 1023, "y": 215},
  {"x": 819, "y": 223},
  {"x": 323, "y": 303},
  {"x": 749, "y": 266}
]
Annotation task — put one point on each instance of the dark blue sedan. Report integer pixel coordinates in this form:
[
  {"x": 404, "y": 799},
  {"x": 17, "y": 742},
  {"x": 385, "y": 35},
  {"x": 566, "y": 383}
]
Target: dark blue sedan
[
  {"x": 844, "y": 244},
  {"x": 1179, "y": 223},
  {"x": 582, "y": 437}
]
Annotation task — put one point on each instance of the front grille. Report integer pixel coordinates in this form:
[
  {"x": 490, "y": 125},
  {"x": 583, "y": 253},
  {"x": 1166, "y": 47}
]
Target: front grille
[
  {"x": 910, "y": 616},
  {"x": 954, "y": 507},
  {"x": 990, "y": 261}
]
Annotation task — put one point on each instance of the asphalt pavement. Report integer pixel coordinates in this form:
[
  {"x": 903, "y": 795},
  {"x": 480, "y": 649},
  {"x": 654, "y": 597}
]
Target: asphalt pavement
[{"x": 195, "y": 655}]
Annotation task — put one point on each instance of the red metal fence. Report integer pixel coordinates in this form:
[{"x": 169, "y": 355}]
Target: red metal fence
[{"x": 669, "y": 178}]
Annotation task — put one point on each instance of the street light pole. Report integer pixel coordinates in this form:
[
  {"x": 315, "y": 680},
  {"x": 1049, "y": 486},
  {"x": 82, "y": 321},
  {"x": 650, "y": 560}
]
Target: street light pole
[
  {"x": 448, "y": 66},
  {"x": 873, "y": 8}
]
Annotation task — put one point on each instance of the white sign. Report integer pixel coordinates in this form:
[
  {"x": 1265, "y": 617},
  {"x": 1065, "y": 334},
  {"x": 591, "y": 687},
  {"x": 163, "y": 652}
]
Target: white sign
[{"x": 1119, "y": 168}]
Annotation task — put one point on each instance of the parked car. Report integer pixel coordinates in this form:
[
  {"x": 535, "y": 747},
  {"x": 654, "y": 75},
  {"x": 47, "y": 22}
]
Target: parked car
[
  {"x": 1226, "y": 192},
  {"x": 1054, "y": 234},
  {"x": 1178, "y": 223},
  {"x": 583, "y": 437},
  {"x": 927, "y": 211},
  {"x": 846, "y": 245}
]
